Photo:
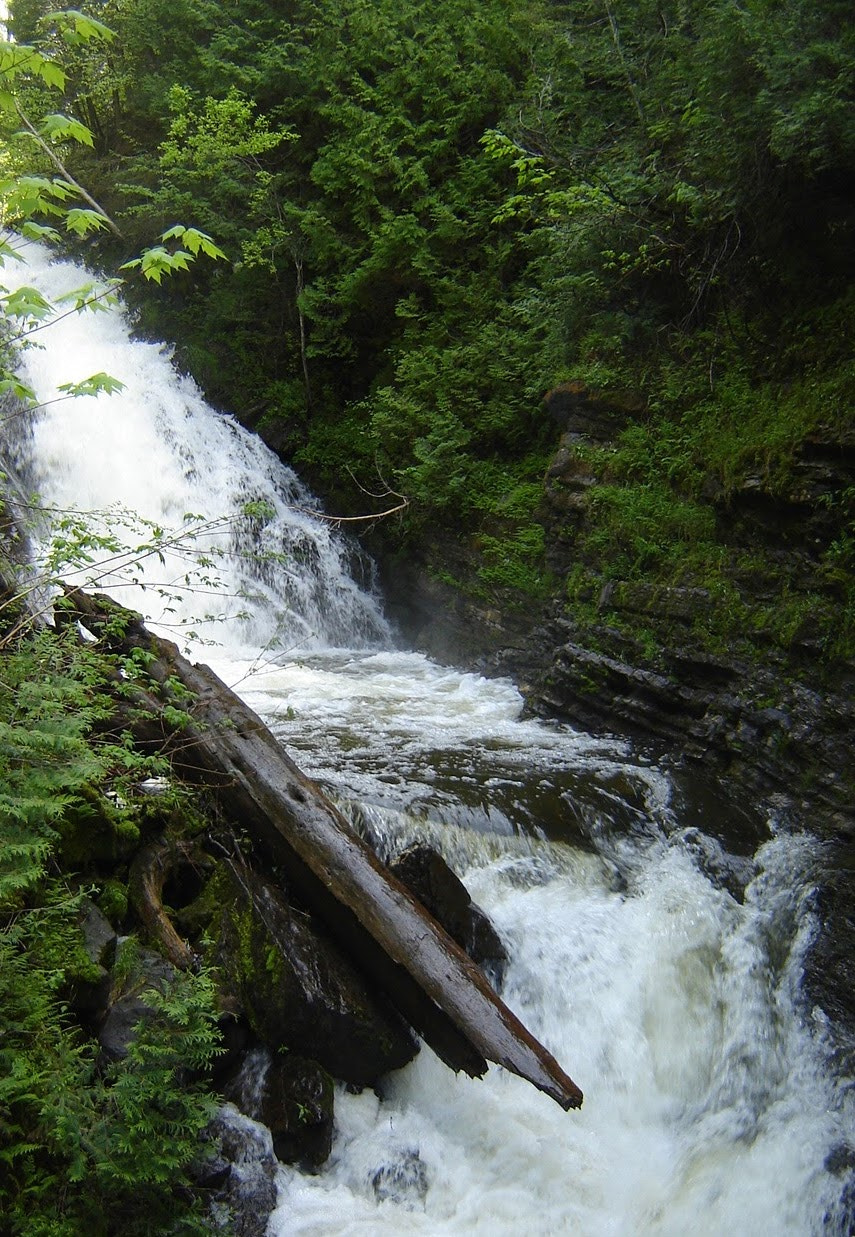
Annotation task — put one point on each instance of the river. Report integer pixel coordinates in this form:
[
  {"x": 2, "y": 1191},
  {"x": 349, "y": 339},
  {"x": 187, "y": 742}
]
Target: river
[{"x": 657, "y": 935}]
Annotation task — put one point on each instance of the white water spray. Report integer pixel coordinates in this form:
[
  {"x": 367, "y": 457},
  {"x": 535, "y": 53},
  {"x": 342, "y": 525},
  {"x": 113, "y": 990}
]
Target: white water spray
[
  {"x": 226, "y": 542},
  {"x": 673, "y": 1001}
]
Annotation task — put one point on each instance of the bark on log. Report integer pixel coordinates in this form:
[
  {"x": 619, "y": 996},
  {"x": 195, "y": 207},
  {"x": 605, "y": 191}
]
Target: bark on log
[
  {"x": 146, "y": 879},
  {"x": 438, "y": 989}
]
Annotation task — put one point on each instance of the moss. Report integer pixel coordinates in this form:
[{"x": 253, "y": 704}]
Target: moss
[
  {"x": 113, "y": 900},
  {"x": 61, "y": 948},
  {"x": 95, "y": 829}
]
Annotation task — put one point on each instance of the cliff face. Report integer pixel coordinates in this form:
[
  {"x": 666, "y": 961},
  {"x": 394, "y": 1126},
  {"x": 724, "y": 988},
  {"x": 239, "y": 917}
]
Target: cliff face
[{"x": 734, "y": 668}]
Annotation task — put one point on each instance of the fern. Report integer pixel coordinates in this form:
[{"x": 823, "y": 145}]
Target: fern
[{"x": 82, "y": 1149}]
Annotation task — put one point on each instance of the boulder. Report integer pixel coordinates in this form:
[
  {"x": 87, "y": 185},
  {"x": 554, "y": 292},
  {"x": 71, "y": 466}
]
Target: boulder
[
  {"x": 403, "y": 1180},
  {"x": 443, "y": 893},
  {"x": 293, "y": 1097},
  {"x": 297, "y": 990},
  {"x": 128, "y": 1006},
  {"x": 91, "y": 988},
  {"x": 99, "y": 935},
  {"x": 592, "y": 412},
  {"x": 238, "y": 1174}
]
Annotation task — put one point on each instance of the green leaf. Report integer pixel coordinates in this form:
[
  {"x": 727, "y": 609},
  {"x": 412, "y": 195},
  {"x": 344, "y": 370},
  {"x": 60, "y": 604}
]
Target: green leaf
[
  {"x": 25, "y": 196},
  {"x": 79, "y": 27},
  {"x": 156, "y": 262},
  {"x": 64, "y": 129},
  {"x": 259, "y": 509},
  {"x": 93, "y": 295},
  {"x": 97, "y": 384},
  {"x": 26, "y": 303},
  {"x": 50, "y": 72},
  {"x": 83, "y": 221},
  {"x": 13, "y": 386},
  {"x": 38, "y": 232},
  {"x": 197, "y": 242}
]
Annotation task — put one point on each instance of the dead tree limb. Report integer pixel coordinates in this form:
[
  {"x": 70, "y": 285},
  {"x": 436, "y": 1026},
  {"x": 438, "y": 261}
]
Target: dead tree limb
[{"x": 146, "y": 879}]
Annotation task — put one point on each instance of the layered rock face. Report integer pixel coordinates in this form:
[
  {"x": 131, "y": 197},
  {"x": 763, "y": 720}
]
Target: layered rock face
[
  {"x": 690, "y": 663},
  {"x": 636, "y": 654}
]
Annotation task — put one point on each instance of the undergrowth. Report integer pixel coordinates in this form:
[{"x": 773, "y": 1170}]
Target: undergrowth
[{"x": 83, "y": 1147}]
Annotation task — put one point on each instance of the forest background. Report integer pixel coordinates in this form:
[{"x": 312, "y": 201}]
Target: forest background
[{"x": 436, "y": 214}]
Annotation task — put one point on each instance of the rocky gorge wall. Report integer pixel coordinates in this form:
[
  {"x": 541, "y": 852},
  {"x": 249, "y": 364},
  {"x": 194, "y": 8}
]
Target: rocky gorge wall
[{"x": 652, "y": 659}]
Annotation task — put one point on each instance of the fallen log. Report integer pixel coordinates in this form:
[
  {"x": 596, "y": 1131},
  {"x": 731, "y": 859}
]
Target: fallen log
[{"x": 374, "y": 917}]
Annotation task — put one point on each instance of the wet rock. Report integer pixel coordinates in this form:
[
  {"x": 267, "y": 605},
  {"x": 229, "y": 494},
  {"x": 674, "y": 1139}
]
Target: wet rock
[
  {"x": 99, "y": 935},
  {"x": 840, "y": 1218},
  {"x": 91, "y": 992},
  {"x": 829, "y": 978},
  {"x": 235, "y": 1042},
  {"x": 769, "y": 735},
  {"x": 771, "y": 712},
  {"x": 723, "y": 869},
  {"x": 441, "y": 892},
  {"x": 300, "y": 1110},
  {"x": 403, "y": 1181},
  {"x": 128, "y": 1006},
  {"x": 568, "y": 481},
  {"x": 638, "y": 597},
  {"x": 591, "y": 412},
  {"x": 238, "y": 1174},
  {"x": 293, "y": 1097},
  {"x": 296, "y": 989}
]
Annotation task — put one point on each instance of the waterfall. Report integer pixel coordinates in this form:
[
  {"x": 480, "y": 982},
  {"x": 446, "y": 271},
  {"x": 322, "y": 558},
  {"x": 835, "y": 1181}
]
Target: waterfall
[
  {"x": 662, "y": 970},
  {"x": 226, "y": 542}
]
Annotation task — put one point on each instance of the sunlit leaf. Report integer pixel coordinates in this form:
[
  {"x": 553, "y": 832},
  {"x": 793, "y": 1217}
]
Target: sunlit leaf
[
  {"x": 97, "y": 384},
  {"x": 11, "y": 385},
  {"x": 83, "y": 221},
  {"x": 26, "y": 303},
  {"x": 79, "y": 27},
  {"x": 64, "y": 129}
]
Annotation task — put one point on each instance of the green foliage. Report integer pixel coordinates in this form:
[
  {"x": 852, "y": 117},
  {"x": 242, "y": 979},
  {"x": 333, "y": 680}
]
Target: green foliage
[
  {"x": 82, "y": 1148},
  {"x": 640, "y": 528},
  {"x": 94, "y": 385},
  {"x": 28, "y": 73},
  {"x": 516, "y": 562},
  {"x": 47, "y": 706},
  {"x": 434, "y": 214},
  {"x": 159, "y": 260}
]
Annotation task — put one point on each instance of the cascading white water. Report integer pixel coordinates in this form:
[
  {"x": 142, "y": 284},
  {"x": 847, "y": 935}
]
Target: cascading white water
[
  {"x": 670, "y": 998},
  {"x": 230, "y": 543}
]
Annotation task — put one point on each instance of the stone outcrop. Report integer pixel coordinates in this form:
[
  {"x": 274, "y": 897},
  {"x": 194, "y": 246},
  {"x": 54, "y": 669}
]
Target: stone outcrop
[
  {"x": 128, "y": 1007},
  {"x": 296, "y": 988},
  {"x": 629, "y": 655},
  {"x": 293, "y": 1097},
  {"x": 443, "y": 893},
  {"x": 238, "y": 1173},
  {"x": 740, "y": 720}
]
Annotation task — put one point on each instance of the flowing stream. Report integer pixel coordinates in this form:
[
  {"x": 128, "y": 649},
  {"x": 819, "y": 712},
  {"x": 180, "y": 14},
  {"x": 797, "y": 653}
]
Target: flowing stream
[{"x": 657, "y": 935}]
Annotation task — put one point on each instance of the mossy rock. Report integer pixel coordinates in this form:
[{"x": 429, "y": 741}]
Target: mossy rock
[
  {"x": 93, "y": 830},
  {"x": 297, "y": 990}
]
